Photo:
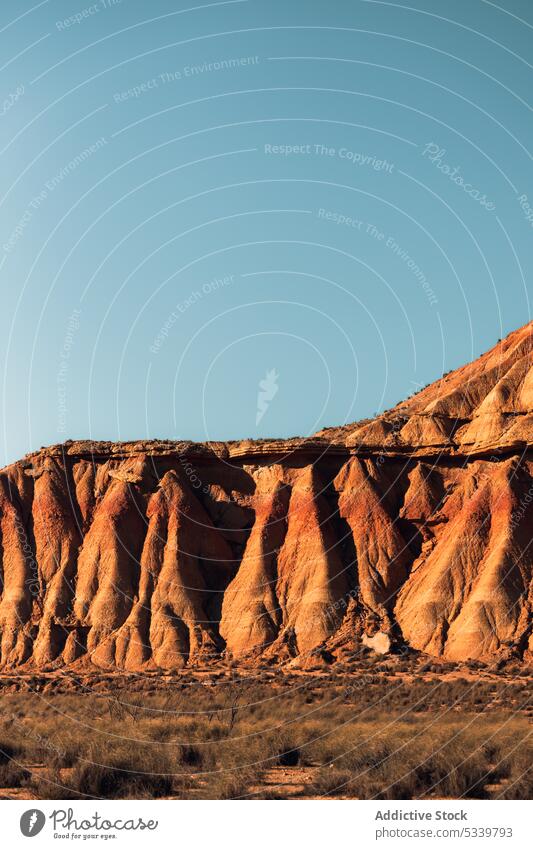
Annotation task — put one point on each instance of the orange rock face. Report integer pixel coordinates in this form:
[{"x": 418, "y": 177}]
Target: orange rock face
[{"x": 412, "y": 530}]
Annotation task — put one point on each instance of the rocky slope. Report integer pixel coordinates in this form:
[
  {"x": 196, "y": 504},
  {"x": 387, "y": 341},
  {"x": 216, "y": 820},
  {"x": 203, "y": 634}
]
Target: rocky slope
[{"x": 412, "y": 530}]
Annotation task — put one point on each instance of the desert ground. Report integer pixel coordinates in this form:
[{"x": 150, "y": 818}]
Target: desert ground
[
  {"x": 346, "y": 615},
  {"x": 370, "y": 728}
]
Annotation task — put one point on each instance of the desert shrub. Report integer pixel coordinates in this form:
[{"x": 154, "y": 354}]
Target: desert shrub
[
  {"x": 116, "y": 772},
  {"x": 8, "y": 752},
  {"x": 12, "y": 775},
  {"x": 518, "y": 771},
  {"x": 519, "y": 786},
  {"x": 289, "y": 757},
  {"x": 400, "y": 765},
  {"x": 452, "y": 774},
  {"x": 51, "y": 785},
  {"x": 122, "y": 780},
  {"x": 230, "y": 785},
  {"x": 332, "y": 782},
  {"x": 191, "y": 755},
  {"x": 61, "y": 755}
]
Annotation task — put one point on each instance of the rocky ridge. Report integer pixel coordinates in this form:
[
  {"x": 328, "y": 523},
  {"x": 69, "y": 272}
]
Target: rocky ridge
[{"x": 413, "y": 530}]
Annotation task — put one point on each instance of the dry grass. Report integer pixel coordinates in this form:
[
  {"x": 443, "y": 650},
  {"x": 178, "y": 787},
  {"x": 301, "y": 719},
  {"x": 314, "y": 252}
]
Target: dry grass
[{"x": 349, "y": 737}]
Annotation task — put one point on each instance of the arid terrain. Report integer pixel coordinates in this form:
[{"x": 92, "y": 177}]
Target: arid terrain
[
  {"x": 343, "y": 615},
  {"x": 399, "y": 728},
  {"x": 412, "y": 530}
]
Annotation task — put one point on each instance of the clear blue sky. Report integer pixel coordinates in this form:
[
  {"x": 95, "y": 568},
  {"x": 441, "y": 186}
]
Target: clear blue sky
[{"x": 194, "y": 196}]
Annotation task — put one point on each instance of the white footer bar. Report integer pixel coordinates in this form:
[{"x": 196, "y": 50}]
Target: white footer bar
[{"x": 267, "y": 824}]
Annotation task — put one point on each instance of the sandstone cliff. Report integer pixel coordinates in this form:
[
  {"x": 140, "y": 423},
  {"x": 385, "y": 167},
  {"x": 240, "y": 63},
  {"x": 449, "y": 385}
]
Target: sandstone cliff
[{"x": 416, "y": 527}]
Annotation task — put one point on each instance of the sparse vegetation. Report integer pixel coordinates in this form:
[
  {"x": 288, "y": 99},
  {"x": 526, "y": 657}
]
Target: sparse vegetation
[{"x": 383, "y": 728}]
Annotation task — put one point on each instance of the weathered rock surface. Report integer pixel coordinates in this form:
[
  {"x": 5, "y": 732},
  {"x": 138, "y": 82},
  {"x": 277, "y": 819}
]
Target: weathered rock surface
[{"x": 414, "y": 529}]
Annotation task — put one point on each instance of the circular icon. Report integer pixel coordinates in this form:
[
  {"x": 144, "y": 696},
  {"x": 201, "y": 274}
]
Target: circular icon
[{"x": 32, "y": 822}]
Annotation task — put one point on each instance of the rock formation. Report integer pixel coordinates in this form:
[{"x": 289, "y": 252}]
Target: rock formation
[{"x": 413, "y": 530}]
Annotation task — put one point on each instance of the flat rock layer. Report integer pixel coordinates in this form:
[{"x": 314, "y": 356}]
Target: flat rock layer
[{"x": 413, "y": 530}]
